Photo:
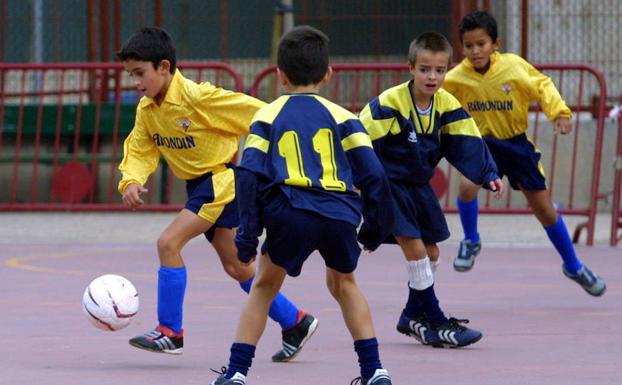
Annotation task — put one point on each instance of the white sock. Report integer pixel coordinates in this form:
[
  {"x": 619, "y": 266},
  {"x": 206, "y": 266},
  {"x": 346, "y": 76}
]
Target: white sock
[
  {"x": 434, "y": 265},
  {"x": 420, "y": 275}
]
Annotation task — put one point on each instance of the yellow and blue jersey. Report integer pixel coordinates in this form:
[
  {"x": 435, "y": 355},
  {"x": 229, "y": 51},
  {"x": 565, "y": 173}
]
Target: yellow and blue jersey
[
  {"x": 315, "y": 152},
  {"x": 499, "y": 99},
  {"x": 410, "y": 144},
  {"x": 196, "y": 129}
]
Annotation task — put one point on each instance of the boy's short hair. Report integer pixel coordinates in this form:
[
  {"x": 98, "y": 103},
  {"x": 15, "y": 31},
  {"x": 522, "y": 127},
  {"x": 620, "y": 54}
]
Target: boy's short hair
[
  {"x": 479, "y": 19},
  {"x": 303, "y": 55},
  {"x": 431, "y": 41},
  {"x": 151, "y": 44}
]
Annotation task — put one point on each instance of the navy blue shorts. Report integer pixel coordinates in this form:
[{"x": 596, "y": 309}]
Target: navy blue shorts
[
  {"x": 293, "y": 234},
  {"x": 212, "y": 197},
  {"x": 418, "y": 213},
  {"x": 519, "y": 160}
]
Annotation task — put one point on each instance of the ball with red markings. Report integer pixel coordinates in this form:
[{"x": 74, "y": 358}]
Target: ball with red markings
[{"x": 110, "y": 301}]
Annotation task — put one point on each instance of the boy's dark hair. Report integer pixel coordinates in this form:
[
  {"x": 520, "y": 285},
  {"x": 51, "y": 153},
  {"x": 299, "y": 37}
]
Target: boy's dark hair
[
  {"x": 431, "y": 41},
  {"x": 303, "y": 55},
  {"x": 151, "y": 44},
  {"x": 479, "y": 19}
]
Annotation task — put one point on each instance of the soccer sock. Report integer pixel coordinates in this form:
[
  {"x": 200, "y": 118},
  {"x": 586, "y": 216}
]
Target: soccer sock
[
  {"x": 413, "y": 307},
  {"x": 369, "y": 357},
  {"x": 241, "y": 359},
  {"x": 421, "y": 281},
  {"x": 171, "y": 289},
  {"x": 558, "y": 234},
  {"x": 468, "y": 217},
  {"x": 282, "y": 310}
]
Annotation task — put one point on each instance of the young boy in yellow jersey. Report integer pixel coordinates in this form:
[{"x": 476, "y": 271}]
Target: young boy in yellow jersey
[
  {"x": 413, "y": 125},
  {"x": 496, "y": 89},
  {"x": 196, "y": 129},
  {"x": 301, "y": 162}
]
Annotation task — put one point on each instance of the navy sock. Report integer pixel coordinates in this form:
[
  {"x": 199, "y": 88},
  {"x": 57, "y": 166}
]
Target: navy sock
[
  {"x": 282, "y": 310},
  {"x": 429, "y": 303},
  {"x": 369, "y": 357},
  {"x": 413, "y": 308},
  {"x": 468, "y": 217},
  {"x": 171, "y": 290},
  {"x": 558, "y": 234},
  {"x": 241, "y": 359}
]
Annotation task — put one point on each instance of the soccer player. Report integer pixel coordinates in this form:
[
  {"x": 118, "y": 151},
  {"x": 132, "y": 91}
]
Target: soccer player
[
  {"x": 486, "y": 76},
  {"x": 196, "y": 129},
  {"x": 413, "y": 125},
  {"x": 296, "y": 179}
]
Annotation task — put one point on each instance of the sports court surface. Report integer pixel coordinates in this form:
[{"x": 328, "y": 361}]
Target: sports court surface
[{"x": 539, "y": 327}]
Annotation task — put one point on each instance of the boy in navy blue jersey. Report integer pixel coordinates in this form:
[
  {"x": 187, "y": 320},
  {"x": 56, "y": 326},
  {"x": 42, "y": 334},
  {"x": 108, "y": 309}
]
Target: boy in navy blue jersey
[
  {"x": 486, "y": 75},
  {"x": 412, "y": 126},
  {"x": 302, "y": 159}
]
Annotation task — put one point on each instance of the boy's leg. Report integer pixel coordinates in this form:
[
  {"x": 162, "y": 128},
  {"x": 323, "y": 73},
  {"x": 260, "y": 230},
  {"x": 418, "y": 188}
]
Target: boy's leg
[
  {"x": 467, "y": 205},
  {"x": 573, "y": 268},
  {"x": 168, "y": 335},
  {"x": 443, "y": 331},
  {"x": 357, "y": 317},
  {"x": 252, "y": 322},
  {"x": 294, "y": 322}
]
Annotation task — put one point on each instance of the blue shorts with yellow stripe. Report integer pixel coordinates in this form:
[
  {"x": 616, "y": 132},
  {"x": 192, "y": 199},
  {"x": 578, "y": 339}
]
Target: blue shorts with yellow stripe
[
  {"x": 417, "y": 213},
  {"x": 212, "y": 197},
  {"x": 519, "y": 160}
]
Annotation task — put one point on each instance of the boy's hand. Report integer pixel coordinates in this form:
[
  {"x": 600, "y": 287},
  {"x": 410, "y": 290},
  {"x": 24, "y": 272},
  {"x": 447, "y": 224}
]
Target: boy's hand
[
  {"x": 497, "y": 187},
  {"x": 131, "y": 195},
  {"x": 247, "y": 249},
  {"x": 562, "y": 125}
]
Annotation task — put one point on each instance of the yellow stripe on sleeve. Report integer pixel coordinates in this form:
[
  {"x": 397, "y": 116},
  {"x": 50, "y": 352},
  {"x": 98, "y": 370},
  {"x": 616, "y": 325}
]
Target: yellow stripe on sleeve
[
  {"x": 358, "y": 139},
  {"x": 257, "y": 142},
  {"x": 462, "y": 127}
]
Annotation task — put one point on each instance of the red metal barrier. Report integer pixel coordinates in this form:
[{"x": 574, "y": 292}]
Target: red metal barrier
[
  {"x": 61, "y": 133},
  {"x": 572, "y": 162}
]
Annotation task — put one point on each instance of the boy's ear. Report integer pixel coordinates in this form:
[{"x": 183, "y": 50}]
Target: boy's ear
[
  {"x": 328, "y": 75},
  {"x": 497, "y": 44},
  {"x": 283, "y": 80},
  {"x": 165, "y": 65}
]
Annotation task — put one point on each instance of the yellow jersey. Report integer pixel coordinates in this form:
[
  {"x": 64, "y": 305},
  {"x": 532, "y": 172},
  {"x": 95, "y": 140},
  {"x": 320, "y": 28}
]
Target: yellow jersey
[
  {"x": 499, "y": 99},
  {"x": 196, "y": 129}
]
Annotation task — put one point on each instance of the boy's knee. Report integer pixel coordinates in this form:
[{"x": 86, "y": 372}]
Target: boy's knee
[
  {"x": 238, "y": 271},
  {"x": 338, "y": 284}
]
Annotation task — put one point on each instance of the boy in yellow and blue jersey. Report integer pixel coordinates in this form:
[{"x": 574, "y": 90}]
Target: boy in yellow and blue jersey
[
  {"x": 497, "y": 89},
  {"x": 196, "y": 129},
  {"x": 301, "y": 162},
  {"x": 412, "y": 126}
]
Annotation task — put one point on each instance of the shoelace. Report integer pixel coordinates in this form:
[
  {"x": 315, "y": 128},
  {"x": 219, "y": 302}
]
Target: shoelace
[
  {"x": 455, "y": 323},
  {"x": 357, "y": 380},
  {"x": 222, "y": 371}
]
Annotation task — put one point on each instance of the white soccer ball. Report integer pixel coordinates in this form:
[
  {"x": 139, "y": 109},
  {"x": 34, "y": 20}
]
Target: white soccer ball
[{"x": 109, "y": 302}]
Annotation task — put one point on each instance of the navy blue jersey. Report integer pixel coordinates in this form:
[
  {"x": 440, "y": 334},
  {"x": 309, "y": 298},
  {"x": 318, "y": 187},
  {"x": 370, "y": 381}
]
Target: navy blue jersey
[
  {"x": 410, "y": 146},
  {"x": 315, "y": 152}
]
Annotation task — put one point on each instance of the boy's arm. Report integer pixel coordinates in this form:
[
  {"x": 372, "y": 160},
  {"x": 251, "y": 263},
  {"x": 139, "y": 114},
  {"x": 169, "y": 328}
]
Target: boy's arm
[
  {"x": 250, "y": 228},
  {"x": 227, "y": 110},
  {"x": 140, "y": 156},
  {"x": 249, "y": 175},
  {"x": 552, "y": 103},
  {"x": 464, "y": 148},
  {"x": 369, "y": 177}
]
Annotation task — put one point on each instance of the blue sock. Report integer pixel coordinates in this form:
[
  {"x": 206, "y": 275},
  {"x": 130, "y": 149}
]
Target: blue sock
[
  {"x": 369, "y": 358},
  {"x": 413, "y": 308},
  {"x": 468, "y": 217},
  {"x": 558, "y": 234},
  {"x": 282, "y": 310},
  {"x": 171, "y": 290},
  {"x": 429, "y": 303},
  {"x": 241, "y": 359}
]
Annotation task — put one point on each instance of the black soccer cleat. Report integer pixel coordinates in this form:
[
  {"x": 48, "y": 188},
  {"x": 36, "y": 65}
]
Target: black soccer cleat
[{"x": 295, "y": 337}]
